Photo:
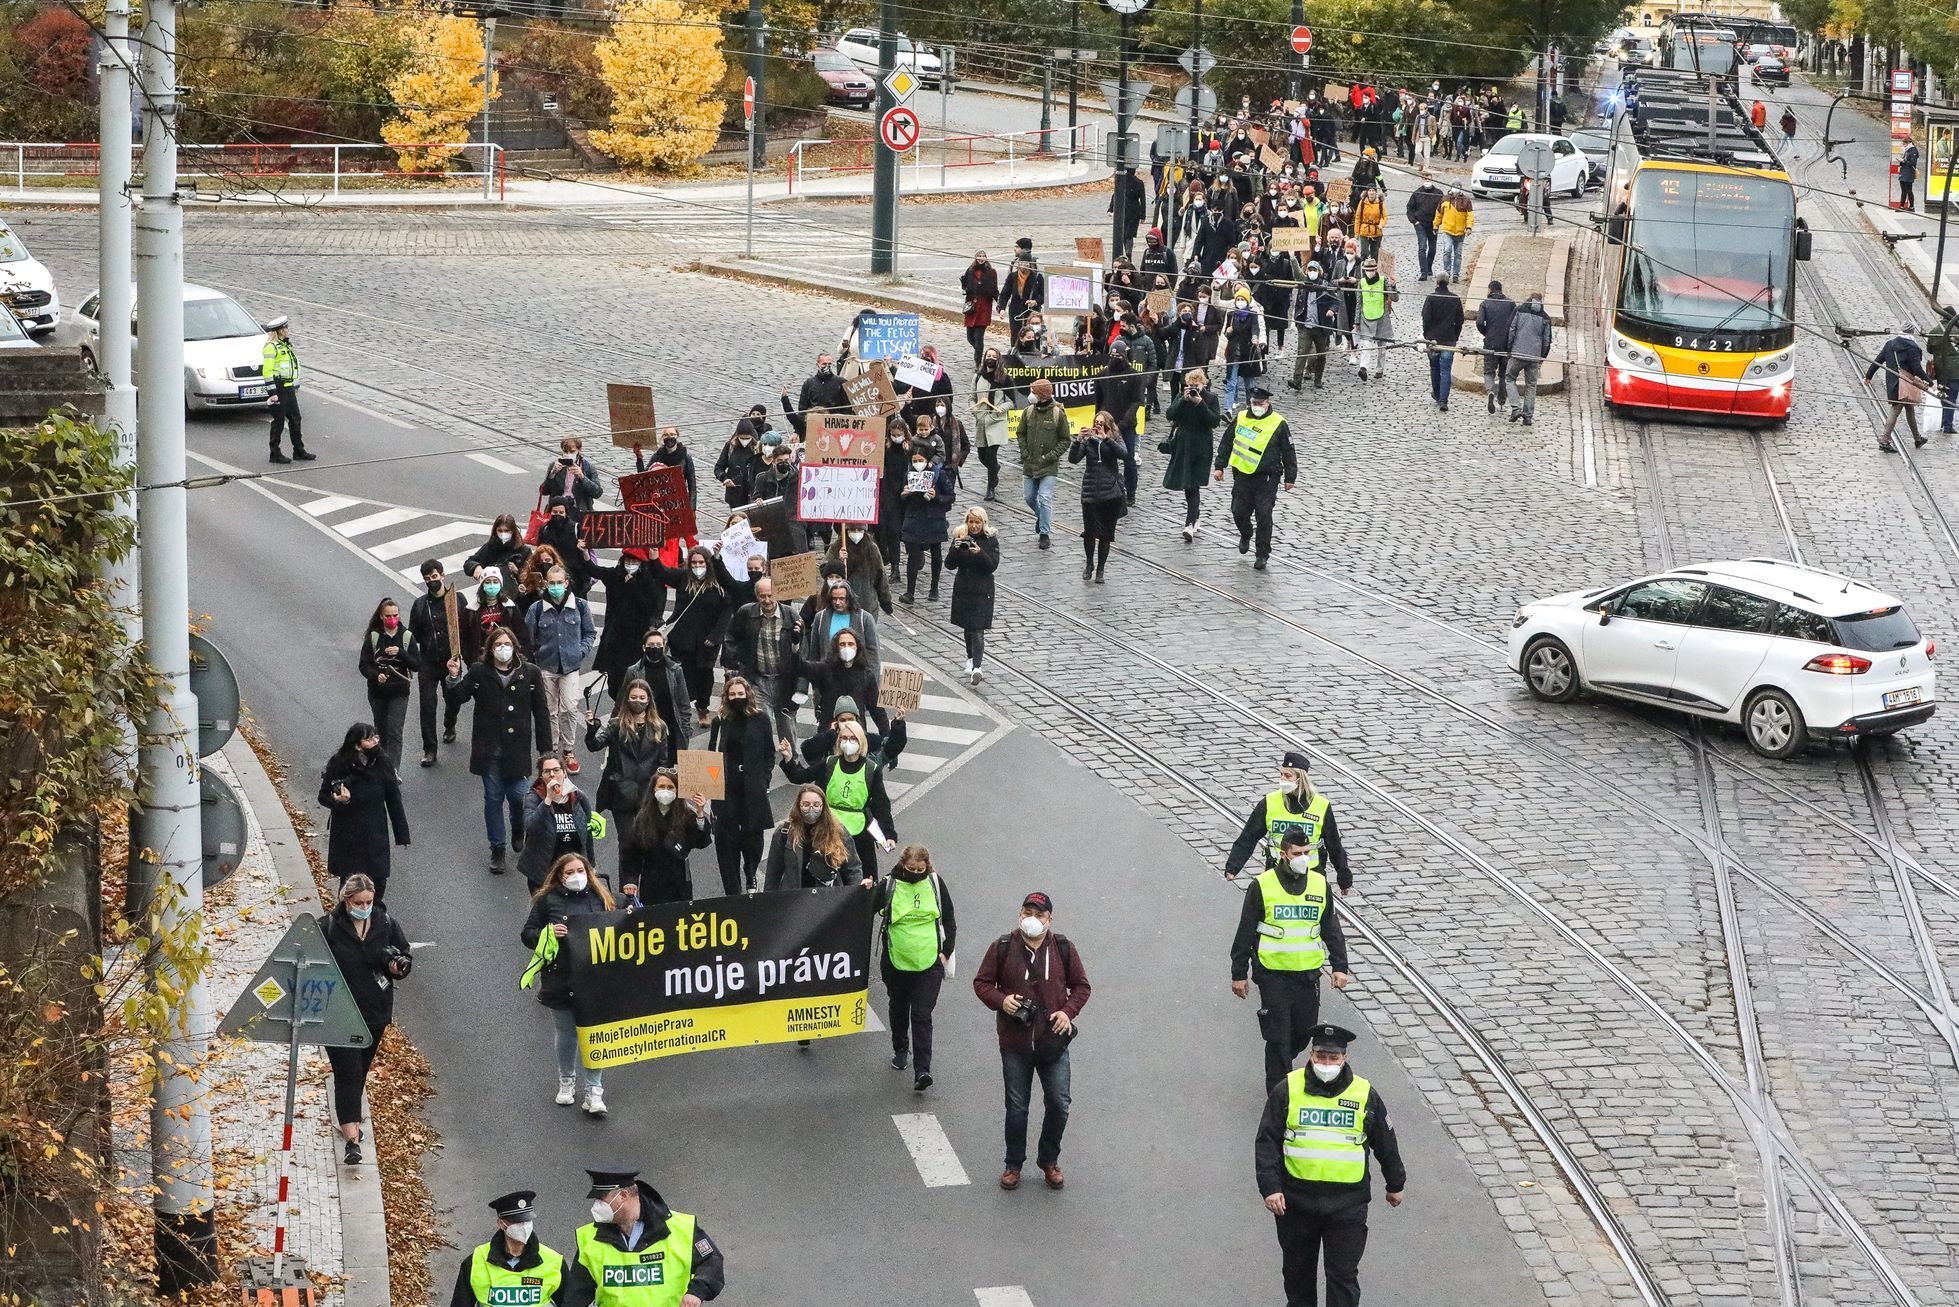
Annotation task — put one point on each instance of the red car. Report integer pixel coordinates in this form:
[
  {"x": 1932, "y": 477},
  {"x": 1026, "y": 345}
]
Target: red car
[{"x": 848, "y": 86}]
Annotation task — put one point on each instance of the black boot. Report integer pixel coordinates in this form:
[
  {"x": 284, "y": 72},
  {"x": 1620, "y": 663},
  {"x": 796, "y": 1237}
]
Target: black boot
[
  {"x": 300, "y": 454},
  {"x": 278, "y": 457},
  {"x": 1088, "y": 558}
]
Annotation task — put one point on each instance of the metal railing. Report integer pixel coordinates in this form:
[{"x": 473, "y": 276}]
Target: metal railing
[
  {"x": 58, "y": 162},
  {"x": 984, "y": 150}
]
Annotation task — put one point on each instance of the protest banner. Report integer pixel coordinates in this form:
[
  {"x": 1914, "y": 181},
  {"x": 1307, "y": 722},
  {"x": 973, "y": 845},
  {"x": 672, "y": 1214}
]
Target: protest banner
[
  {"x": 837, "y": 440},
  {"x": 718, "y": 973},
  {"x": 1161, "y": 302},
  {"x": 1340, "y": 191},
  {"x": 795, "y": 577},
  {"x": 662, "y": 491},
  {"x": 917, "y": 373},
  {"x": 1089, "y": 250},
  {"x": 738, "y": 543},
  {"x": 899, "y": 687},
  {"x": 631, "y": 529},
  {"x": 887, "y": 335},
  {"x": 1070, "y": 293},
  {"x": 838, "y": 494},
  {"x": 702, "y": 772},
  {"x": 630, "y": 409},
  {"x": 1073, "y": 377},
  {"x": 1291, "y": 240},
  {"x": 870, "y": 393}
]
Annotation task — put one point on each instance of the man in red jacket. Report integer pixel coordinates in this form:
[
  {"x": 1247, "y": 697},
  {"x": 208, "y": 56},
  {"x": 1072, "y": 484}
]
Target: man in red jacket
[{"x": 1033, "y": 978}]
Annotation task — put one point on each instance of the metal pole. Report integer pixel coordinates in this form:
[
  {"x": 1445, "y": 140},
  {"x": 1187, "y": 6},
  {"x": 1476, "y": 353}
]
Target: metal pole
[
  {"x": 1047, "y": 105},
  {"x": 750, "y": 250},
  {"x": 1196, "y": 76},
  {"x": 1074, "y": 70},
  {"x": 285, "y": 1135},
  {"x": 945, "y": 97},
  {"x": 489, "y": 81},
  {"x": 884, "y": 177},
  {"x": 169, "y": 823},
  {"x": 114, "y": 208},
  {"x": 1119, "y": 202},
  {"x": 1945, "y": 211},
  {"x": 758, "y": 142},
  {"x": 1293, "y": 87}
]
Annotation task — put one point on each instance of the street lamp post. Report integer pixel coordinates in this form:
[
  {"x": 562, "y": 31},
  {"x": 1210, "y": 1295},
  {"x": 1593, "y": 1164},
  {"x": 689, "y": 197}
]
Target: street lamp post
[{"x": 1125, "y": 12}]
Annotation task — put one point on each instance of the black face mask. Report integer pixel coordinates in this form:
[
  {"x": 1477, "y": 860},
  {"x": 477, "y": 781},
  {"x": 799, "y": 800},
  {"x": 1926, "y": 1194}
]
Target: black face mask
[
  {"x": 435, "y": 587},
  {"x": 655, "y": 653}
]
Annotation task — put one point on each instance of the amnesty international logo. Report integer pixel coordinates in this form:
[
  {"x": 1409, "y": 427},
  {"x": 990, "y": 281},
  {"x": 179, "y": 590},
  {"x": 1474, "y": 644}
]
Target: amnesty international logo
[{"x": 857, "y": 1013}]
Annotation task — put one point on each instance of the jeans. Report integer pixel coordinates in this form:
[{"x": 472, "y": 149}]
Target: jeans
[
  {"x": 498, "y": 791},
  {"x": 1425, "y": 249},
  {"x": 390, "y": 716},
  {"x": 1948, "y": 400},
  {"x": 566, "y": 1022},
  {"x": 431, "y": 696},
  {"x": 350, "y": 1068},
  {"x": 1235, "y": 384},
  {"x": 1039, "y": 494},
  {"x": 1493, "y": 364},
  {"x": 561, "y": 702},
  {"x": 1523, "y": 382},
  {"x": 1440, "y": 366},
  {"x": 1369, "y": 344},
  {"x": 975, "y": 645},
  {"x": 976, "y": 337},
  {"x": 1192, "y": 498},
  {"x": 1019, "y": 1069},
  {"x": 778, "y": 692},
  {"x": 1452, "y": 256},
  {"x": 1130, "y": 441}
]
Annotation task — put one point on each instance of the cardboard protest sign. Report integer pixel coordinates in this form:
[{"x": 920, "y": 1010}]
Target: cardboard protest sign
[
  {"x": 919, "y": 483},
  {"x": 838, "y": 494},
  {"x": 702, "y": 772},
  {"x": 1259, "y": 135},
  {"x": 900, "y": 687},
  {"x": 1089, "y": 250},
  {"x": 1161, "y": 302},
  {"x": 1270, "y": 159},
  {"x": 1291, "y": 240},
  {"x": 1340, "y": 191},
  {"x": 738, "y": 544},
  {"x": 630, "y": 409},
  {"x": 661, "y": 491},
  {"x": 628, "y": 530},
  {"x": 917, "y": 373},
  {"x": 796, "y": 577},
  {"x": 839, "y": 441},
  {"x": 1069, "y": 293},
  {"x": 887, "y": 335},
  {"x": 870, "y": 392},
  {"x": 452, "y": 618}
]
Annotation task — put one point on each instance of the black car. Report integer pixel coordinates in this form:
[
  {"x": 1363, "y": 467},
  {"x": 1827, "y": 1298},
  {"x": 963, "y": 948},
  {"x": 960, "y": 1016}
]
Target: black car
[
  {"x": 1595, "y": 143},
  {"x": 1771, "y": 71}
]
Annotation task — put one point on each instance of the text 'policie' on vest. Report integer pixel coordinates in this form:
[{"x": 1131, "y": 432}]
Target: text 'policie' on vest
[
  {"x": 499, "y": 1286},
  {"x": 1326, "y": 1138},
  {"x": 1289, "y": 937},
  {"x": 1280, "y": 819},
  {"x": 1250, "y": 437},
  {"x": 652, "y": 1277}
]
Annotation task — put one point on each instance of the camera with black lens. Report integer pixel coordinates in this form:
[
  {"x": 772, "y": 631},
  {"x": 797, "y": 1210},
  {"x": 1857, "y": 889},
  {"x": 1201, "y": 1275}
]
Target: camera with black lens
[
  {"x": 1028, "y": 1013},
  {"x": 399, "y": 962}
]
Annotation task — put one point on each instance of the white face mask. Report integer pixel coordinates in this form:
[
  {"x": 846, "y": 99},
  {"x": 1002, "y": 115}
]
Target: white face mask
[
  {"x": 520, "y": 1231},
  {"x": 1033, "y": 927},
  {"x": 847, "y": 652},
  {"x": 855, "y": 536},
  {"x": 575, "y": 881},
  {"x": 1327, "y": 1074},
  {"x": 602, "y": 1211},
  {"x": 1260, "y": 410},
  {"x": 699, "y": 570},
  {"x": 1301, "y": 864},
  {"x": 848, "y": 748},
  {"x": 503, "y": 537},
  {"x": 503, "y": 653},
  {"x": 939, "y": 409},
  {"x": 631, "y": 567},
  {"x": 663, "y": 797}
]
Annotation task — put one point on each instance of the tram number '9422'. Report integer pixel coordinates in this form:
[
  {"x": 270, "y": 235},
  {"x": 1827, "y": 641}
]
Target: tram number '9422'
[{"x": 1695, "y": 342}]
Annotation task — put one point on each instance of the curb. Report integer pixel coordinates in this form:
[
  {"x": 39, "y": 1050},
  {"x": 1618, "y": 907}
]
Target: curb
[
  {"x": 1883, "y": 222},
  {"x": 864, "y": 293},
  {"x": 363, "y": 1225}
]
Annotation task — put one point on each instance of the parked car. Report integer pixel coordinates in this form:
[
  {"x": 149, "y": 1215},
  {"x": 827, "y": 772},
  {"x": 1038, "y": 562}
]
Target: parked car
[
  {"x": 1770, "y": 71},
  {"x": 26, "y": 285},
  {"x": 1789, "y": 653},
  {"x": 1595, "y": 143},
  {"x": 860, "y": 45},
  {"x": 1496, "y": 172},
  {"x": 847, "y": 84},
  {"x": 1636, "y": 53},
  {"x": 224, "y": 349},
  {"x": 13, "y": 335}
]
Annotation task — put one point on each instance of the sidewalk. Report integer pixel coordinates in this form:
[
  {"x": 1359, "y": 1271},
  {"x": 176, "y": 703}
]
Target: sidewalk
[{"x": 1913, "y": 239}]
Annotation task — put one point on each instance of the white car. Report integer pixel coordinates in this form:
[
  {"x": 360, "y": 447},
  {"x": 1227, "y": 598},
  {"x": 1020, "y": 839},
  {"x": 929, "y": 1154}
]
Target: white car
[
  {"x": 1497, "y": 171},
  {"x": 861, "y": 45},
  {"x": 26, "y": 286},
  {"x": 1789, "y": 653},
  {"x": 13, "y": 335},
  {"x": 224, "y": 349}
]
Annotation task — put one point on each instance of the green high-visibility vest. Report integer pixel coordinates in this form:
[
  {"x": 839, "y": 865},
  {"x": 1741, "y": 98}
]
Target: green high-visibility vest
[
  {"x": 1280, "y": 819},
  {"x": 652, "y": 1277},
  {"x": 1374, "y": 298},
  {"x": 1326, "y": 1138},
  {"x": 849, "y": 796},
  {"x": 496, "y": 1285},
  {"x": 911, "y": 923},
  {"x": 1515, "y": 120},
  {"x": 1250, "y": 437},
  {"x": 280, "y": 363},
  {"x": 1289, "y": 936}
]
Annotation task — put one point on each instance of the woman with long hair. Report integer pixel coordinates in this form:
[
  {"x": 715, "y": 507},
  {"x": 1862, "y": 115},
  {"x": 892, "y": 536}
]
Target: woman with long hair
[
  {"x": 508, "y": 728},
  {"x": 843, "y": 671},
  {"x": 974, "y": 558},
  {"x": 810, "y": 849},
  {"x": 654, "y": 846},
  {"x": 569, "y": 889},
  {"x": 536, "y": 575},
  {"x": 363, "y": 796},
  {"x": 992, "y": 401},
  {"x": 919, "y": 936},
  {"x": 746, "y": 738},
  {"x": 390, "y": 657},
  {"x": 1100, "y": 451},
  {"x": 373, "y": 955},
  {"x": 852, "y": 780},
  {"x": 700, "y": 615},
  {"x": 636, "y": 745},
  {"x": 504, "y": 549}
]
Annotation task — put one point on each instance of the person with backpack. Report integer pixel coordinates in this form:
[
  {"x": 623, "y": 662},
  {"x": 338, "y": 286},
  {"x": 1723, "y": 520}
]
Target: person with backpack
[
  {"x": 390, "y": 658},
  {"x": 918, "y": 938}
]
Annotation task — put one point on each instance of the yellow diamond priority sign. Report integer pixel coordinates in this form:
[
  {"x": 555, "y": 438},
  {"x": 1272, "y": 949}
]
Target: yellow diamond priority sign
[
  {"x": 270, "y": 992},
  {"x": 901, "y": 83}
]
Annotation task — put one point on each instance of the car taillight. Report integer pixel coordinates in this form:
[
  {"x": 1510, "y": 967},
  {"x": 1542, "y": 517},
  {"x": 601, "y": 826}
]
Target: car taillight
[
  {"x": 1838, "y": 664},
  {"x": 1931, "y": 647}
]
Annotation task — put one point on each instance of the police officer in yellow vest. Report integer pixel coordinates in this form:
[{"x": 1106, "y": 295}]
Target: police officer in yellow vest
[
  {"x": 513, "y": 1269},
  {"x": 1311, "y": 1159},
  {"x": 280, "y": 366},
  {"x": 1294, "y": 803},
  {"x": 638, "y": 1252},
  {"x": 1259, "y": 454},
  {"x": 1286, "y": 933}
]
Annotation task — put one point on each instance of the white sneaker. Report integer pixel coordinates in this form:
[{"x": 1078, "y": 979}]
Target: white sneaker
[
  {"x": 977, "y": 675},
  {"x": 594, "y": 1102},
  {"x": 1190, "y": 534},
  {"x": 567, "y": 1091},
  {"x": 969, "y": 667}
]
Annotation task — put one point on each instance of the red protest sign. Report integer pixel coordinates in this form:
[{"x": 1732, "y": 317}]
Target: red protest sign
[
  {"x": 661, "y": 491},
  {"x": 628, "y": 530}
]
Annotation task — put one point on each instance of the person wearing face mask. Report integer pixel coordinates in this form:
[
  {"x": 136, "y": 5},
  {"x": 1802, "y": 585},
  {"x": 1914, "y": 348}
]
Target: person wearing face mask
[
  {"x": 1033, "y": 978},
  {"x": 632, "y": 1228},
  {"x": 852, "y": 781},
  {"x": 886, "y": 746},
  {"x": 635, "y": 601},
  {"x": 566, "y": 888},
  {"x": 494, "y": 608},
  {"x": 635, "y": 743},
  {"x": 761, "y": 648},
  {"x": 557, "y": 820},
  {"x": 830, "y": 612},
  {"x": 1260, "y": 455},
  {"x": 1374, "y": 298},
  {"x": 821, "y": 393},
  {"x": 510, "y": 724},
  {"x": 992, "y": 398},
  {"x": 513, "y": 1266},
  {"x": 373, "y": 954},
  {"x": 843, "y": 671},
  {"x": 1025, "y": 291},
  {"x": 669, "y": 685},
  {"x": 919, "y": 935},
  {"x": 811, "y": 850},
  {"x": 428, "y": 623},
  {"x": 854, "y": 555},
  {"x": 743, "y": 815},
  {"x": 1119, "y": 393},
  {"x": 1528, "y": 343},
  {"x": 1310, "y": 1159},
  {"x": 1104, "y": 501},
  {"x": 700, "y": 613},
  {"x": 655, "y": 843},
  {"x": 562, "y": 634},
  {"x": 572, "y": 477},
  {"x": 979, "y": 286},
  {"x": 740, "y": 460},
  {"x": 1194, "y": 418},
  {"x": 363, "y": 797},
  {"x": 671, "y": 452},
  {"x": 974, "y": 558},
  {"x": 1045, "y": 435},
  {"x": 390, "y": 658},
  {"x": 1287, "y": 931},
  {"x": 536, "y": 576},
  {"x": 1296, "y": 805},
  {"x": 561, "y": 533},
  {"x": 927, "y": 498}
]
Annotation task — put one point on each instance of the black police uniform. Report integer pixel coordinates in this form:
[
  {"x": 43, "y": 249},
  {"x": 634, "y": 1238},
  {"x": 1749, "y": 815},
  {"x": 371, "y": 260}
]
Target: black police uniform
[
  {"x": 1255, "y": 494},
  {"x": 1288, "y": 1001},
  {"x": 707, "y": 1277},
  {"x": 518, "y": 1206},
  {"x": 1324, "y": 1219}
]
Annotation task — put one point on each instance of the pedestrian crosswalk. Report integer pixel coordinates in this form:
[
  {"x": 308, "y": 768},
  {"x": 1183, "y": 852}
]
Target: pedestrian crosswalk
[{"x": 945, "y": 726}]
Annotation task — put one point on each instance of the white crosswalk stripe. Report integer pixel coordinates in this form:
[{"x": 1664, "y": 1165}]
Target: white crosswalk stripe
[{"x": 423, "y": 541}]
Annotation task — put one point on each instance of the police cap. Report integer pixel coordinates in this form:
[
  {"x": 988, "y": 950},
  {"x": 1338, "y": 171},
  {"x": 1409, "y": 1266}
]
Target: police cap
[
  {"x": 278, "y": 322},
  {"x": 1297, "y": 760},
  {"x": 1331, "y": 1037},
  {"x": 1260, "y": 392},
  {"x": 607, "y": 1180},
  {"x": 518, "y": 1206}
]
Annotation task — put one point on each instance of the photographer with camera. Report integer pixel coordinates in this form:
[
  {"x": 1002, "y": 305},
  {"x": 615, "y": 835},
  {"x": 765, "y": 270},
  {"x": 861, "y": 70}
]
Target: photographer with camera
[
  {"x": 373, "y": 954},
  {"x": 573, "y": 476},
  {"x": 1033, "y": 978}
]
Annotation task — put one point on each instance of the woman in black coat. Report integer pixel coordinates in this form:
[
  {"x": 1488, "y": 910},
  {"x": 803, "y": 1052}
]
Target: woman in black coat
[
  {"x": 363, "y": 796},
  {"x": 735, "y": 469},
  {"x": 811, "y": 850},
  {"x": 974, "y": 558},
  {"x": 636, "y": 745},
  {"x": 844, "y": 672},
  {"x": 557, "y": 821},
  {"x": 373, "y": 954},
  {"x": 1194, "y": 417},
  {"x": 891, "y": 489},
  {"x": 505, "y": 549},
  {"x": 510, "y": 726},
  {"x": 390, "y": 657},
  {"x": 654, "y": 845},
  {"x": 569, "y": 890},
  {"x": 746, "y": 738},
  {"x": 1100, "y": 451},
  {"x": 923, "y": 529},
  {"x": 700, "y": 618},
  {"x": 635, "y": 600}
]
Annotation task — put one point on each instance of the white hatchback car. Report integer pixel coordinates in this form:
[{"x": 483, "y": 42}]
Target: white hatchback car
[
  {"x": 224, "y": 349},
  {"x": 1497, "y": 171},
  {"x": 26, "y": 285},
  {"x": 860, "y": 44},
  {"x": 1787, "y": 652}
]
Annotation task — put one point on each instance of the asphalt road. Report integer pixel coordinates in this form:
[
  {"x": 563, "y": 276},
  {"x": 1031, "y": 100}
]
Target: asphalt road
[{"x": 792, "y": 1158}]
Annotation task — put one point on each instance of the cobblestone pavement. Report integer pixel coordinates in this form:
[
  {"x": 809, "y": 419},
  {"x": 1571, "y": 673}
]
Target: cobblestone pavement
[{"x": 1550, "y": 870}]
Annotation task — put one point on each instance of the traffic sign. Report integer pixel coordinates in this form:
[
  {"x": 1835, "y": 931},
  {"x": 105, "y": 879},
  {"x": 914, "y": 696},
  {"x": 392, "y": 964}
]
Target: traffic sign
[
  {"x": 901, "y": 82},
  {"x": 223, "y": 826},
  {"x": 299, "y": 995},
  {"x": 1207, "y": 101},
  {"x": 1066, "y": 56},
  {"x": 898, "y": 129},
  {"x": 1124, "y": 108},
  {"x": 1302, "y": 40},
  {"x": 748, "y": 101},
  {"x": 1197, "y": 62},
  {"x": 216, "y": 688}
]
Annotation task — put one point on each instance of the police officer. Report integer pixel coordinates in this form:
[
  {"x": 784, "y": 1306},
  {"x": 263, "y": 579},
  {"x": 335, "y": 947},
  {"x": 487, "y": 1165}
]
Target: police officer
[
  {"x": 1311, "y": 1159},
  {"x": 1286, "y": 933},
  {"x": 281, "y": 368},
  {"x": 1295, "y": 804},
  {"x": 1259, "y": 454},
  {"x": 513, "y": 1267},
  {"x": 638, "y": 1252}
]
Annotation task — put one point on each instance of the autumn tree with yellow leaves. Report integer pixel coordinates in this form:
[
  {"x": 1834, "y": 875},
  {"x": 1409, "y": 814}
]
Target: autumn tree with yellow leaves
[
  {"x": 663, "y": 62},
  {"x": 438, "y": 93}
]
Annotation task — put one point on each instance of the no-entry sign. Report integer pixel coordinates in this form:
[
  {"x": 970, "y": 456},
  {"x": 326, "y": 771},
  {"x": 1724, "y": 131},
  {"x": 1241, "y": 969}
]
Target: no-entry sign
[
  {"x": 1302, "y": 40},
  {"x": 748, "y": 101},
  {"x": 898, "y": 128}
]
